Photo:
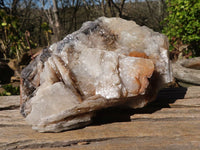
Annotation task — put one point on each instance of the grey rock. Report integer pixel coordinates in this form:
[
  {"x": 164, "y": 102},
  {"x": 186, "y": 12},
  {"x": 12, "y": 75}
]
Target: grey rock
[{"x": 107, "y": 62}]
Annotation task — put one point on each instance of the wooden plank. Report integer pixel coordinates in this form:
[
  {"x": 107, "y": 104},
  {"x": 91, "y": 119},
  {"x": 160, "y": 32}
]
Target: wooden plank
[
  {"x": 170, "y": 114},
  {"x": 25, "y": 137},
  {"x": 168, "y": 123},
  {"x": 11, "y": 118},
  {"x": 9, "y": 102},
  {"x": 193, "y": 92},
  {"x": 195, "y": 102}
]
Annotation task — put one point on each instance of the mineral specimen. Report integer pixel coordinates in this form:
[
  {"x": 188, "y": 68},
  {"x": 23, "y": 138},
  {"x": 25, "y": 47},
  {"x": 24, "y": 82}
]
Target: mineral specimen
[{"x": 107, "y": 62}]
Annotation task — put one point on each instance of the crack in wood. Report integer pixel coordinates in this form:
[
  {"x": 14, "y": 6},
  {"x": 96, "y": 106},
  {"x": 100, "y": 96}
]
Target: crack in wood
[
  {"x": 12, "y": 125},
  {"x": 12, "y": 107},
  {"x": 57, "y": 144},
  {"x": 167, "y": 119}
]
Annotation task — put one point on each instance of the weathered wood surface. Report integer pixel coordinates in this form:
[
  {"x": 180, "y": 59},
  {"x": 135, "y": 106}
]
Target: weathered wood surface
[
  {"x": 187, "y": 70},
  {"x": 170, "y": 123}
]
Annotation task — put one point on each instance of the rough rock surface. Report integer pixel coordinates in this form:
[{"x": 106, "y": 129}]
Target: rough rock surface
[{"x": 107, "y": 62}]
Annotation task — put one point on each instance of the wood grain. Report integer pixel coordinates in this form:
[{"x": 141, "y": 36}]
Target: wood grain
[{"x": 171, "y": 122}]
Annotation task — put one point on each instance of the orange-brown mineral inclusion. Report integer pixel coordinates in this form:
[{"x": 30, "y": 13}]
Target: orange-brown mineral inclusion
[{"x": 138, "y": 54}]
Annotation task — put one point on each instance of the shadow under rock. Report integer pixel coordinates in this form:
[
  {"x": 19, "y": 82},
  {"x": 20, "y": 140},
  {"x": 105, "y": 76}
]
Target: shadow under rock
[{"x": 116, "y": 114}]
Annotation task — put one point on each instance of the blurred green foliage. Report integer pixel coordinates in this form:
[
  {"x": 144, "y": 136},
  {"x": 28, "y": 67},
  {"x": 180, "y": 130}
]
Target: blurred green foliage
[
  {"x": 12, "y": 40},
  {"x": 183, "y": 26},
  {"x": 10, "y": 90},
  {"x": 47, "y": 31}
]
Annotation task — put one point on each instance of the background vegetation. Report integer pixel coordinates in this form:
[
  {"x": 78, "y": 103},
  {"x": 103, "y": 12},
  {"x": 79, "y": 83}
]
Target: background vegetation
[
  {"x": 9, "y": 90},
  {"x": 183, "y": 27},
  {"x": 26, "y": 25}
]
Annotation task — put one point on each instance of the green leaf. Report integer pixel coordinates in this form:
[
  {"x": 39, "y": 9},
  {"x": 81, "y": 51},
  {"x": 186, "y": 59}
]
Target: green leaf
[
  {"x": 183, "y": 23},
  {"x": 8, "y": 93},
  {"x": 49, "y": 31},
  {"x": 14, "y": 24},
  {"x": 4, "y": 24}
]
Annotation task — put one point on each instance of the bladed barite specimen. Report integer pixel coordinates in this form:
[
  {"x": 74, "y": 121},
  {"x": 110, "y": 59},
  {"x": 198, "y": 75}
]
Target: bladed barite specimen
[{"x": 107, "y": 62}]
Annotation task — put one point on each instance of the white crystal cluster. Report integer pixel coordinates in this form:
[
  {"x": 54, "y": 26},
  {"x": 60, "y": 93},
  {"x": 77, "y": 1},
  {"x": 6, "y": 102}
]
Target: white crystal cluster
[{"x": 108, "y": 62}]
